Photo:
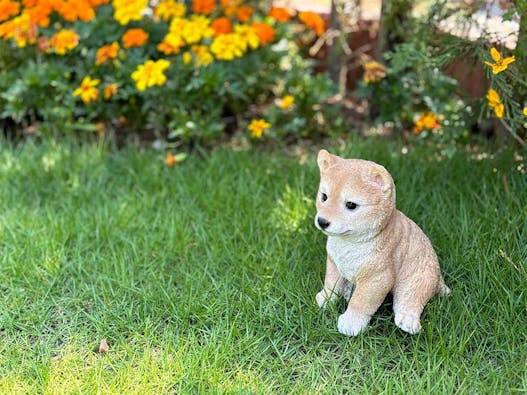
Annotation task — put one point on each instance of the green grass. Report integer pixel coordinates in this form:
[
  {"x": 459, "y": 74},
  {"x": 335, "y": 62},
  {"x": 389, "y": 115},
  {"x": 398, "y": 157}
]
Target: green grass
[{"x": 202, "y": 277}]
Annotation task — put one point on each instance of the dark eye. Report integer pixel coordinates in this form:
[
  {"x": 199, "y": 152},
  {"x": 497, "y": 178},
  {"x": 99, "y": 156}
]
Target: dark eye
[
  {"x": 324, "y": 197},
  {"x": 351, "y": 205}
]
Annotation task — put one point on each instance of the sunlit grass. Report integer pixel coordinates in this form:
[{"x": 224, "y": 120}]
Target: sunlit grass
[{"x": 202, "y": 277}]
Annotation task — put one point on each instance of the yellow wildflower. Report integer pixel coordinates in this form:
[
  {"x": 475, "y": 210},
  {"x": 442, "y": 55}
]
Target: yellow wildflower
[
  {"x": 228, "y": 46},
  {"x": 63, "y": 41},
  {"x": 525, "y": 111},
  {"x": 110, "y": 90},
  {"x": 128, "y": 10},
  {"x": 286, "y": 102},
  {"x": 495, "y": 103},
  {"x": 168, "y": 9},
  {"x": 257, "y": 127},
  {"x": 501, "y": 63},
  {"x": 150, "y": 73},
  {"x": 87, "y": 90}
]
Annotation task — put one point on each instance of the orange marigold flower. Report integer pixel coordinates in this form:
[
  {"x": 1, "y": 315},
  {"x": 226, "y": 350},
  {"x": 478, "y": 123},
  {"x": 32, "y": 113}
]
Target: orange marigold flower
[
  {"x": 221, "y": 26},
  {"x": 280, "y": 14},
  {"x": 74, "y": 10},
  {"x": 244, "y": 13},
  {"x": 63, "y": 41},
  {"x": 265, "y": 32},
  {"x": 107, "y": 52},
  {"x": 203, "y": 6},
  {"x": 134, "y": 38},
  {"x": 313, "y": 21},
  {"x": 8, "y": 8},
  {"x": 110, "y": 90},
  {"x": 427, "y": 121},
  {"x": 97, "y": 3}
]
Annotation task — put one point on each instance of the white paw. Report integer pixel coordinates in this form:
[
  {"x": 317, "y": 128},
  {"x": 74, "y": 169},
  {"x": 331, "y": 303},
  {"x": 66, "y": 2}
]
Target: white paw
[
  {"x": 323, "y": 298},
  {"x": 408, "y": 323},
  {"x": 351, "y": 324}
]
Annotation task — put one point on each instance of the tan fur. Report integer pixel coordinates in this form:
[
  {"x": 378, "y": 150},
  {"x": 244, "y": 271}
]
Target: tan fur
[{"x": 374, "y": 248}]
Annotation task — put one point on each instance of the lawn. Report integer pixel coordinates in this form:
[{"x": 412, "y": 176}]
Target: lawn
[{"x": 202, "y": 277}]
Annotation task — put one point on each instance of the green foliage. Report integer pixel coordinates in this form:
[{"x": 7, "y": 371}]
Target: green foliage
[{"x": 415, "y": 85}]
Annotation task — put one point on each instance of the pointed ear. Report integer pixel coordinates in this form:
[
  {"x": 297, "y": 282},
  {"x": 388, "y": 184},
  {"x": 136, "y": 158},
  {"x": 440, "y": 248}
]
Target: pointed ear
[
  {"x": 325, "y": 159},
  {"x": 380, "y": 177}
]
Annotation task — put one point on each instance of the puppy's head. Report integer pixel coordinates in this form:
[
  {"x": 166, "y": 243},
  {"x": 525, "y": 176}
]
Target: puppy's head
[{"x": 356, "y": 198}]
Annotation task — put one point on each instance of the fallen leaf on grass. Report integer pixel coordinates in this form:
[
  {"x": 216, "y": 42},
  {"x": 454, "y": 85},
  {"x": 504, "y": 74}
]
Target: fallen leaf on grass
[{"x": 103, "y": 346}]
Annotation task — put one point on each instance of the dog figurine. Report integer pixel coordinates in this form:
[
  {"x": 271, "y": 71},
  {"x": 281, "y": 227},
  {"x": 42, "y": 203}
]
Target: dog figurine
[{"x": 371, "y": 246}]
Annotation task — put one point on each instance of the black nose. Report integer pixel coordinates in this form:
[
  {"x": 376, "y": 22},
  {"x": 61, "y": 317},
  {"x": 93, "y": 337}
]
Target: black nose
[{"x": 323, "y": 222}]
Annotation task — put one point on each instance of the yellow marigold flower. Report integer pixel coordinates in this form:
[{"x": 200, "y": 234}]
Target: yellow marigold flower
[
  {"x": 501, "y": 63},
  {"x": 257, "y": 127},
  {"x": 128, "y": 10},
  {"x": 110, "y": 90},
  {"x": 150, "y": 73},
  {"x": 168, "y": 9},
  {"x": 247, "y": 35},
  {"x": 427, "y": 121},
  {"x": 8, "y": 8},
  {"x": 373, "y": 72},
  {"x": 203, "y": 56},
  {"x": 171, "y": 44},
  {"x": 63, "y": 41},
  {"x": 286, "y": 102},
  {"x": 313, "y": 21},
  {"x": 203, "y": 6},
  {"x": 193, "y": 30},
  {"x": 495, "y": 103},
  {"x": 87, "y": 90},
  {"x": 134, "y": 38},
  {"x": 228, "y": 46},
  {"x": 525, "y": 111},
  {"x": 107, "y": 52}
]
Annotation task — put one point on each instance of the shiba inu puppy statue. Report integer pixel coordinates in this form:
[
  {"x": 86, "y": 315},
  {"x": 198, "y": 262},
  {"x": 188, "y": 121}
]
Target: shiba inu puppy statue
[{"x": 371, "y": 246}]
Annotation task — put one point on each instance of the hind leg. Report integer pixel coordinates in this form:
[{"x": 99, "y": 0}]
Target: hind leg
[{"x": 409, "y": 301}]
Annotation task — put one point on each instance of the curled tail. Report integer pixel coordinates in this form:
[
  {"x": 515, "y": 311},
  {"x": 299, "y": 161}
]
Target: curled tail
[{"x": 442, "y": 289}]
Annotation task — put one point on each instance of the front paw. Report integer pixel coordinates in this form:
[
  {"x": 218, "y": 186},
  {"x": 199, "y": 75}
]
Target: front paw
[
  {"x": 322, "y": 299},
  {"x": 351, "y": 324}
]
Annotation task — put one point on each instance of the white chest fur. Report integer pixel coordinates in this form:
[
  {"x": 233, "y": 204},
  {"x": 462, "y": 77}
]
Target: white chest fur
[{"x": 349, "y": 257}]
